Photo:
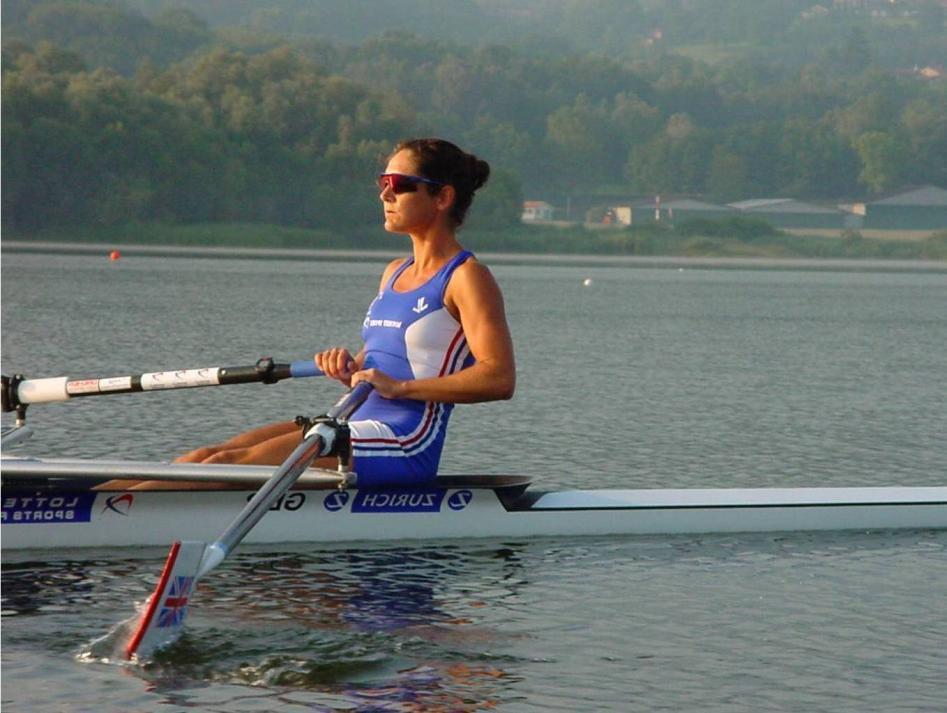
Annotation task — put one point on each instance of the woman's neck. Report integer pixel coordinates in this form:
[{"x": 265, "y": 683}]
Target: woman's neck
[{"x": 432, "y": 251}]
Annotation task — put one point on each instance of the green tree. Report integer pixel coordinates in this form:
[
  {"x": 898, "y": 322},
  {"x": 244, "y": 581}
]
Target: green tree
[
  {"x": 727, "y": 175},
  {"x": 924, "y": 126},
  {"x": 856, "y": 54},
  {"x": 580, "y": 141},
  {"x": 814, "y": 161},
  {"x": 499, "y": 204},
  {"x": 872, "y": 112},
  {"x": 882, "y": 159}
]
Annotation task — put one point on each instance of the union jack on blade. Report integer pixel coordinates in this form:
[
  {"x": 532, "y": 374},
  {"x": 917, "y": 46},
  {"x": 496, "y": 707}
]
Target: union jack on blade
[{"x": 175, "y": 604}]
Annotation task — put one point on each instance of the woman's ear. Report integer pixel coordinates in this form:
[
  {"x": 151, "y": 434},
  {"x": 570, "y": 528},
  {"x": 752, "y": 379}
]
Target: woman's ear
[{"x": 446, "y": 197}]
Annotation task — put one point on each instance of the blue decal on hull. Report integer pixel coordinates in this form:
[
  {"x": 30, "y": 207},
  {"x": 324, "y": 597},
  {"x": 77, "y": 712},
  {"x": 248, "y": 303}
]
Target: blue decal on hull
[
  {"x": 460, "y": 499},
  {"x": 48, "y": 509},
  {"x": 398, "y": 501},
  {"x": 334, "y": 502}
]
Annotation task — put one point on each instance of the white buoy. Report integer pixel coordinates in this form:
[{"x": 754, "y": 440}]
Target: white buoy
[{"x": 587, "y": 281}]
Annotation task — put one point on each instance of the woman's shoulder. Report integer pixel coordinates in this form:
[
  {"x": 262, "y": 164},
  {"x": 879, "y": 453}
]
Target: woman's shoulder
[
  {"x": 473, "y": 269},
  {"x": 395, "y": 264},
  {"x": 472, "y": 276},
  {"x": 391, "y": 268}
]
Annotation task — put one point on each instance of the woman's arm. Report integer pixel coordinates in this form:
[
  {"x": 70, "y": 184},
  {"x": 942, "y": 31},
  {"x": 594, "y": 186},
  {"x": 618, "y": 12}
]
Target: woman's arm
[
  {"x": 474, "y": 297},
  {"x": 338, "y": 363}
]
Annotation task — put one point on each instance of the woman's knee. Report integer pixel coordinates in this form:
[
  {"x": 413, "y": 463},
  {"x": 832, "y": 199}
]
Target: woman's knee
[
  {"x": 198, "y": 455},
  {"x": 235, "y": 455}
]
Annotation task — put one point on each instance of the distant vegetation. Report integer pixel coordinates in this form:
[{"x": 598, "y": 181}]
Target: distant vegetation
[
  {"x": 731, "y": 237},
  {"x": 278, "y": 111}
]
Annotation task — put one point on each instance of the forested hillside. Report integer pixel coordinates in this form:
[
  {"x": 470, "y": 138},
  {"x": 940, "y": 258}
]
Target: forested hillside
[{"x": 278, "y": 111}]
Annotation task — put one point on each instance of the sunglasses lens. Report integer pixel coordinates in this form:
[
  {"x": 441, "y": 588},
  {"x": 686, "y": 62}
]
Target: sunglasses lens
[{"x": 397, "y": 183}]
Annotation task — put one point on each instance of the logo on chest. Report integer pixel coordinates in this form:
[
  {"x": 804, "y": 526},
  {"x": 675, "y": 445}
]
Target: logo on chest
[
  {"x": 381, "y": 307},
  {"x": 392, "y": 323}
]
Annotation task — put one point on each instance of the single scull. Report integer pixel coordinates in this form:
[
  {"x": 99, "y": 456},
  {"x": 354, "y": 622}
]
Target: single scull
[{"x": 50, "y": 504}]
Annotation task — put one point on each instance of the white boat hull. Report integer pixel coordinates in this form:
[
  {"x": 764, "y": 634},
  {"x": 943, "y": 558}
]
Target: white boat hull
[{"x": 65, "y": 517}]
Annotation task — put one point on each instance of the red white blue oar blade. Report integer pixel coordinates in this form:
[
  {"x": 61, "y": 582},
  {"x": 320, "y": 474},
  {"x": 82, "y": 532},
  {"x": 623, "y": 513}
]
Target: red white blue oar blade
[{"x": 163, "y": 619}]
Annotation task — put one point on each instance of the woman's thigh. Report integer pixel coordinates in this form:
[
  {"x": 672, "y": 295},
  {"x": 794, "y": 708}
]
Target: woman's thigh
[{"x": 380, "y": 457}]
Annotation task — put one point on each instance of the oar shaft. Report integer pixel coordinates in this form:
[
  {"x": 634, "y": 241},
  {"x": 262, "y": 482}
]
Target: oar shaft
[
  {"x": 281, "y": 481},
  {"x": 317, "y": 442},
  {"x": 18, "y": 391}
]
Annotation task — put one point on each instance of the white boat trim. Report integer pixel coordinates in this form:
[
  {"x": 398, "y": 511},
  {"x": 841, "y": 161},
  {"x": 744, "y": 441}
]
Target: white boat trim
[
  {"x": 44, "y": 511},
  {"x": 102, "y": 470},
  {"x": 736, "y": 498}
]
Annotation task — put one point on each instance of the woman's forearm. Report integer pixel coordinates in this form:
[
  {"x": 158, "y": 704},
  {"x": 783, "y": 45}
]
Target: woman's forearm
[{"x": 482, "y": 381}]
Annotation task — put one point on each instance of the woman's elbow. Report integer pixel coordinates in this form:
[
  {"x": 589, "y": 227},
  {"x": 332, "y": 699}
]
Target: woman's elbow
[
  {"x": 506, "y": 387},
  {"x": 495, "y": 382}
]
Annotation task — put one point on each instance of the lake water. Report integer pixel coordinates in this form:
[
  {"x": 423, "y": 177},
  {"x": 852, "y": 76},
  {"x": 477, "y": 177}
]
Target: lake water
[{"x": 647, "y": 377}]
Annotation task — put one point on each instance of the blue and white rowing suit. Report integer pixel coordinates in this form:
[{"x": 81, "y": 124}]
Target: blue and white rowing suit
[{"x": 407, "y": 335}]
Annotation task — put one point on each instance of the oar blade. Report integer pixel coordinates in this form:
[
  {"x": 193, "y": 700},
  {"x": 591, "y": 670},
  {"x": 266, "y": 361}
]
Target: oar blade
[{"x": 162, "y": 621}]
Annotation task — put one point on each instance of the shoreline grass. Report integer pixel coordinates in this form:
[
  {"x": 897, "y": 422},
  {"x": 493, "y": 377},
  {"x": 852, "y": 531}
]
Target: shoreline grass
[{"x": 651, "y": 241}]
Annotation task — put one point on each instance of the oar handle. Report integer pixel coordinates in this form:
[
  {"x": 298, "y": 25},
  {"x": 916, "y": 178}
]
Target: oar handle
[
  {"x": 17, "y": 391},
  {"x": 304, "y": 367}
]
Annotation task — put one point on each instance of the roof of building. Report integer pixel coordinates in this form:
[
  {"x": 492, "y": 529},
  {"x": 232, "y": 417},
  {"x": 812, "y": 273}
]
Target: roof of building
[
  {"x": 536, "y": 204},
  {"x": 779, "y": 205},
  {"x": 691, "y": 204},
  {"x": 925, "y": 195}
]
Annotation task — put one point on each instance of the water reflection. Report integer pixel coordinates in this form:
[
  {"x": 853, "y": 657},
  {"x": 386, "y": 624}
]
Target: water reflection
[
  {"x": 35, "y": 587},
  {"x": 406, "y": 629}
]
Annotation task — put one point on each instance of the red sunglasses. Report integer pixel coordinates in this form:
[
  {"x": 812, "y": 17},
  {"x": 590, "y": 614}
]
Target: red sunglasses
[{"x": 403, "y": 183}]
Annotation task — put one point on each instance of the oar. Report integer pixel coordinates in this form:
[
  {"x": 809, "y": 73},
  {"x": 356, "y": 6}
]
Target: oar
[
  {"x": 18, "y": 392},
  {"x": 163, "y": 618}
]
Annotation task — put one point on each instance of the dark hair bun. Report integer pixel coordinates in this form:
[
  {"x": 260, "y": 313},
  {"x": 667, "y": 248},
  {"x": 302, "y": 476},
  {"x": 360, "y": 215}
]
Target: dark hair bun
[{"x": 479, "y": 171}]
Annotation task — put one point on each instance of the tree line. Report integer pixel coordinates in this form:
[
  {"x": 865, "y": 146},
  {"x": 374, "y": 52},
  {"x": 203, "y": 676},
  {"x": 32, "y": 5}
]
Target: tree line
[{"x": 194, "y": 124}]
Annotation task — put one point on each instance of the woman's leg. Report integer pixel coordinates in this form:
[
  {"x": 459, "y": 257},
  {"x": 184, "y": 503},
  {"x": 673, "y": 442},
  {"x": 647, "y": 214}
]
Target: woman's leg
[
  {"x": 272, "y": 452},
  {"x": 266, "y": 443},
  {"x": 245, "y": 440}
]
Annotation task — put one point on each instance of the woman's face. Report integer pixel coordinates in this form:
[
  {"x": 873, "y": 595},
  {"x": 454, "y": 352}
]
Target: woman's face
[{"x": 411, "y": 212}]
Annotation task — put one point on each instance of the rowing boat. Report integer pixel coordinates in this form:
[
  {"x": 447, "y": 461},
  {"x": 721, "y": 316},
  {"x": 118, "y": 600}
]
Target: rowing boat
[
  {"x": 49, "y": 503},
  {"x": 52, "y": 503}
]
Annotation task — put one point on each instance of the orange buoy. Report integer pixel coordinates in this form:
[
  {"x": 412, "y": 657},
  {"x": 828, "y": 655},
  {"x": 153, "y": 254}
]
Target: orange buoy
[{"x": 115, "y": 255}]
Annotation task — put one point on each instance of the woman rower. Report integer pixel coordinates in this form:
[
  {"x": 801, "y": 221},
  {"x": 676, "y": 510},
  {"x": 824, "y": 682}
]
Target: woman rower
[{"x": 435, "y": 335}]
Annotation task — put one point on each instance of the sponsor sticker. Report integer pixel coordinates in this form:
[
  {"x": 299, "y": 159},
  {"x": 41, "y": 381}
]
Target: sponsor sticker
[
  {"x": 50, "y": 509},
  {"x": 115, "y": 383},
  {"x": 336, "y": 501},
  {"x": 459, "y": 499},
  {"x": 82, "y": 386},
  {"x": 398, "y": 501},
  {"x": 120, "y": 504},
  {"x": 291, "y": 502},
  {"x": 178, "y": 379}
]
